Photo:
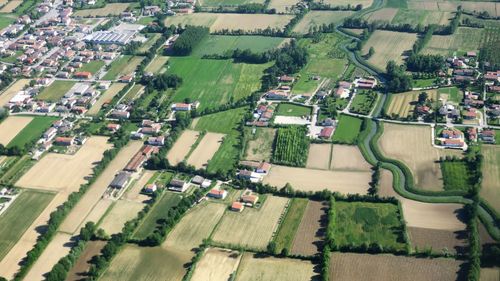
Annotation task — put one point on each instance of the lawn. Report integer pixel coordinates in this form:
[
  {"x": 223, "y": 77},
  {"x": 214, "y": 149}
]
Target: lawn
[
  {"x": 56, "y": 90},
  {"x": 5, "y": 20},
  {"x": 421, "y": 83},
  {"x": 11, "y": 59},
  {"x": 118, "y": 67},
  {"x": 290, "y": 109},
  {"x": 288, "y": 228},
  {"x": 363, "y": 102},
  {"x": 145, "y": 20},
  {"x": 452, "y": 94},
  {"x": 19, "y": 216},
  {"x": 358, "y": 223},
  {"x": 347, "y": 130},
  {"x": 215, "y": 82},
  {"x": 219, "y": 44},
  {"x": 32, "y": 131},
  {"x": 455, "y": 175},
  {"x": 92, "y": 66}
]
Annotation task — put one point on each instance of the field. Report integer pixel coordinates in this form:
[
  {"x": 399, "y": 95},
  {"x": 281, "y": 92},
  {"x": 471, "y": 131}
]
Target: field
[
  {"x": 206, "y": 149},
  {"x": 215, "y": 82},
  {"x": 388, "y": 46},
  {"x": 319, "y": 18},
  {"x": 148, "y": 264},
  {"x": 282, "y": 6},
  {"x": 56, "y": 90},
  {"x": 253, "y": 267},
  {"x": 6, "y": 20},
  {"x": 251, "y": 228},
  {"x": 319, "y": 156},
  {"x": 291, "y": 146},
  {"x": 82, "y": 265},
  {"x": 10, "y": 127},
  {"x": 11, "y": 5},
  {"x": 290, "y": 109},
  {"x": 182, "y": 146},
  {"x": 121, "y": 212},
  {"x": 156, "y": 65},
  {"x": 109, "y": 9},
  {"x": 347, "y": 130},
  {"x": 415, "y": 17},
  {"x": 133, "y": 193},
  {"x": 384, "y": 14},
  {"x": 10, "y": 92},
  {"x": 133, "y": 93},
  {"x": 123, "y": 65},
  {"x": 452, "y": 94},
  {"x": 217, "y": 3},
  {"x": 342, "y": 153},
  {"x": 219, "y": 44},
  {"x": 151, "y": 40},
  {"x": 195, "y": 226},
  {"x": 451, "y": 6},
  {"x": 260, "y": 145},
  {"x": 402, "y": 105},
  {"x": 309, "y": 236},
  {"x": 92, "y": 66},
  {"x": 107, "y": 96},
  {"x": 491, "y": 174},
  {"x": 19, "y": 216},
  {"x": 360, "y": 222},
  {"x": 463, "y": 40},
  {"x": 216, "y": 264},
  {"x": 456, "y": 175},
  {"x": 316, "y": 180},
  {"x": 412, "y": 146},
  {"x": 363, "y": 102},
  {"x": 490, "y": 274},
  {"x": 288, "y": 227},
  {"x": 350, "y": 266},
  {"x": 32, "y": 131}
]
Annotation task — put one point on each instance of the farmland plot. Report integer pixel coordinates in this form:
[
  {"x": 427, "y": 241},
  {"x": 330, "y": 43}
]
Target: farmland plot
[
  {"x": 182, "y": 146},
  {"x": 319, "y": 18},
  {"x": 120, "y": 213},
  {"x": 216, "y": 264},
  {"x": 157, "y": 64},
  {"x": 32, "y": 132},
  {"x": 311, "y": 231},
  {"x": 388, "y": 46},
  {"x": 83, "y": 264},
  {"x": 270, "y": 268},
  {"x": 491, "y": 174},
  {"x": 109, "y": 9},
  {"x": 282, "y": 6},
  {"x": 403, "y": 104},
  {"x": 289, "y": 224},
  {"x": 260, "y": 145},
  {"x": 217, "y": 3},
  {"x": 291, "y": 146},
  {"x": 319, "y": 156},
  {"x": 134, "y": 191},
  {"x": 10, "y": 127},
  {"x": 335, "y": 3},
  {"x": 463, "y": 40},
  {"x": 205, "y": 150},
  {"x": 219, "y": 44},
  {"x": 9, "y": 8},
  {"x": 348, "y": 158},
  {"x": 106, "y": 97},
  {"x": 384, "y": 14}
]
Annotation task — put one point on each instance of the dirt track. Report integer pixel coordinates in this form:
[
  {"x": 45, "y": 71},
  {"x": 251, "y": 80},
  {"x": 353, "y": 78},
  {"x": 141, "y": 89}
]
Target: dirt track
[{"x": 10, "y": 127}]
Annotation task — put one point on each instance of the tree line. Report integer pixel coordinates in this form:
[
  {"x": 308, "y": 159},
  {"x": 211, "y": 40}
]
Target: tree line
[{"x": 189, "y": 39}]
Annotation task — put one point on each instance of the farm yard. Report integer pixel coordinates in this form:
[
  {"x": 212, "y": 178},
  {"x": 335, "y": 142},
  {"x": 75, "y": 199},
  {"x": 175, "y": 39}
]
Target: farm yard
[
  {"x": 109, "y": 9},
  {"x": 291, "y": 146},
  {"x": 106, "y": 97},
  {"x": 260, "y": 144},
  {"x": 315, "y": 19},
  {"x": 182, "y": 146},
  {"x": 491, "y": 174},
  {"x": 402, "y": 105},
  {"x": 270, "y": 268},
  {"x": 311, "y": 230},
  {"x": 388, "y": 46},
  {"x": 216, "y": 264}
]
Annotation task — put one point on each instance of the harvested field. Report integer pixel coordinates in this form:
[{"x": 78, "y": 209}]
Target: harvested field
[
  {"x": 315, "y": 180},
  {"x": 412, "y": 146},
  {"x": 451, "y": 6},
  {"x": 121, "y": 212},
  {"x": 88, "y": 202},
  {"x": 319, "y": 156},
  {"x": 113, "y": 9},
  {"x": 260, "y": 145},
  {"x": 157, "y": 64},
  {"x": 282, "y": 6},
  {"x": 439, "y": 240},
  {"x": 349, "y": 266},
  {"x": 134, "y": 191},
  {"x": 253, "y": 227},
  {"x": 463, "y": 40},
  {"x": 205, "y": 150},
  {"x": 182, "y": 146},
  {"x": 491, "y": 173},
  {"x": 388, "y": 46},
  {"x": 107, "y": 96},
  {"x": 348, "y": 158},
  {"x": 319, "y": 18},
  {"x": 82, "y": 265},
  {"x": 384, "y": 14},
  {"x": 490, "y": 274},
  {"x": 10, "y": 127},
  {"x": 10, "y": 92},
  {"x": 402, "y": 104},
  {"x": 195, "y": 226},
  {"x": 10, "y": 6},
  {"x": 309, "y": 236},
  {"x": 335, "y": 3},
  {"x": 216, "y": 264},
  {"x": 253, "y": 267}
]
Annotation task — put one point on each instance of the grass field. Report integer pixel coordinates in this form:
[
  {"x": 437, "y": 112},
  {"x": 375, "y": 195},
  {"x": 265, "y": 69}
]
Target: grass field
[
  {"x": 415, "y": 17},
  {"x": 5, "y": 20},
  {"x": 384, "y": 14},
  {"x": 347, "y": 129},
  {"x": 463, "y": 40},
  {"x": 32, "y": 131},
  {"x": 208, "y": 146},
  {"x": 121, "y": 212},
  {"x": 109, "y": 9},
  {"x": 388, "y": 46},
  {"x": 56, "y": 90},
  {"x": 11, "y": 126},
  {"x": 318, "y": 18},
  {"x": 363, "y": 102},
  {"x": 106, "y": 97},
  {"x": 402, "y": 105},
  {"x": 216, "y": 264},
  {"x": 149, "y": 43},
  {"x": 217, "y": 3},
  {"x": 491, "y": 173},
  {"x": 92, "y": 66},
  {"x": 288, "y": 227},
  {"x": 253, "y": 267},
  {"x": 19, "y": 216},
  {"x": 290, "y": 109},
  {"x": 309, "y": 236},
  {"x": 452, "y": 94},
  {"x": 260, "y": 144},
  {"x": 133, "y": 93},
  {"x": 157, "y": 64},
  {"x": 123, "y": 65},
  {"x": 219, "y": 44},
  {"x": 215, "y": 82},
  {"x": 456, "y": 175}
]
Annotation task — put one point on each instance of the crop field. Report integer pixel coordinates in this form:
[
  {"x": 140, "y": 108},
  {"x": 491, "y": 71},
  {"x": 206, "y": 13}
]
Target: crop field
[
  {"x": 110, "y": 9},
  {"x": 56, "y": 90},
  {"x": 289, "y": 225},
  {"x": 463, "y": 40},
  {"x": 107, "y": 96},
  {"x": 219, "y": 44},
  {"x": 491, "y": 173},
  {"x": 456, "y": 175},
  {"x": 148, "y": 264},
  {"x": 348, "y": 158},
  {"x": 350, "y": 266},
  {"x": 345, "y": 182},
  {"x": 251, "y": 228},
  {"x": 151, "y": 40},
  {"x": 10, "y": 6},
  {"x": 217, "y": 3},
  {"x": 384, "y": 14},
  {"x": 10, "y": 92},
  {"x": 388, "y": 46},
  {"x": 347, "y": 130},
  {"x": 363, "y": 102},
  {"x": 309, "y": 236},
  {"x": 335, "y": 3},
  {"x": 121, "y": 212},
  {"x": 133, "y": 93},
  {"x": 205, "y": 150},
  {"x": 92, "y": 66},
  {"x": 215, "y": 82},
  {"x": 10, "y": 127},
  {"x": 440, "y": 241},
  {"x": 451, "y": 6},
  {"x": 157, "y": 64},
  {"x": 260, "y": 145},
  {"x": 195, "y": 226},
  {"x": 412, "y": 145},
  {"x": 32, "y": 131},
  {"x": 290, "y": 109},
  {"x": 415, "y": 17},
  {"x": 490, "y": 274},
  {"x": 83, "y": 264},
  {"x": 319, "y": 156},
  {"x": 291, "y": 147},
  {"x": 282, "y": 6},
  {"x": 318, "y": 18},
  {"x": 182, "y": 146},
  {"x": 123, "y": 65},
  {"x": 253, "y": 267},
  {"x": 402, "y": 105},
  {"x": 216, "y": 264},
  {"x": 19, "y": 216}
]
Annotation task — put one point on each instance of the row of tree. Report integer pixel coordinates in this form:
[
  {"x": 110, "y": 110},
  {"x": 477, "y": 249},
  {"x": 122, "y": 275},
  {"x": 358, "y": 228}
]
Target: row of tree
[
  {"x": 425, "y": 63},
  {"x": 189, "y": 39}
]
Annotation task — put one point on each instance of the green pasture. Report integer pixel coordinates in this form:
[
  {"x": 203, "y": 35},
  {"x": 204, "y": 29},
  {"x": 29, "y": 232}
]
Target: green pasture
[
  {"x": 219, "y": 44},
  {"x": 288, "y": 228},
  {"x": 56, "y": 90},
  {"x": 290, "y": 109},
  {"x": 347, "y": 130}
]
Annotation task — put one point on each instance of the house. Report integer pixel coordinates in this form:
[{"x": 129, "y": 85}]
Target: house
[
  {"x": 181, "y": 107},
  {"x": 471, "y": 54},
  {"x": 237, "y": 207},
  {"x": 197, "y": 180},
  {"x": 158, "y": 141},
  {"x": 217, "y": 194},
  {"x": 487, "y": 136},
  {"x": 326, "y": 133},
  {"x": 150, "y": 188},
  {"x": 422, "y": 109},
  {"x": 50, "y": 134},
  {"x": 277, "y": 95},
  {"x": 126, "y": 78},
  {"x": 263, "y": 168},
  {"x": 472, "y": 134},
  {"x": 64, "y": 141},
  {"x": 451, "y": 134},
  {"x": 136, "y": 162},
  {"x": 469, "y": 114},
  {"x": 453, "y": 143},
  {"x": 82, "y": 75},
  {"x": 250, "y": 199},
  {"x": 246, "y": 174},
  {"x": 121, "y": 180},
  {"x": 113, "y": 127},
  {"x": 120, "y": 114},
  {"x": 178, "y": 185},
  {"x": 286, "y": 79}
]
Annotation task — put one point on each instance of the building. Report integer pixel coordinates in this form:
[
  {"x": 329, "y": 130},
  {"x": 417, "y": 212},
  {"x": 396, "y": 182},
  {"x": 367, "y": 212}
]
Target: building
[
  {"x": 250, "y": 199},
  {"x": 110, "y": 37},
  {"x": 197, "y": 180},
  {"x": 326, "y": 133},
  {"x": 453, "y": 143},
  {"x": 263, "y": 168},
  {"x": 178, "y": 185},
  {"x": 217, "y": 194},
  {"x": 157, "y": 141},
  {"x": 82, "y": 75},
  {"x": 237, "y": 207},
  {"x": 120, "y": 114},
  {"x": 487, "y": 136},
  {"x": 451, "y": 134},
  {"x": 113, "y": 127},
  {"x": 150, "y": 188},
  {"x": 181, "y": 107},
  {"x": 64, "y": 141},
  {"x": 121, "y": 180}
]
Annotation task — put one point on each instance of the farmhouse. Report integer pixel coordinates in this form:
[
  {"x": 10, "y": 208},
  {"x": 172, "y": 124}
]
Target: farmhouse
[
  {"x": 121, "y": 180},
  {"x": 113, "y": 127},
  {"x": 217, "y": 194},
  {"x": 150, "y": 188},
  {"x": 178, "y": 185},
  {"x": 326, "y": 133},
  {"x": 64, "y": 141},
  {"x": 237, "y": 207},
  {"x": 453, "y": 143}
]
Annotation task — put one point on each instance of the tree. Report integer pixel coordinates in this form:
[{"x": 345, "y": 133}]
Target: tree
[
  {"x": 371, "y": 52},
  {"x": 87, "y": 231},
  {"x": 422, "y": 97}
]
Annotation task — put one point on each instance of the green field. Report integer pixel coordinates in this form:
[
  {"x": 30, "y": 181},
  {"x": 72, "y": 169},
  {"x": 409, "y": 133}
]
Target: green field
[
  {"x": 215, "y": 82},
  {"x": 132, "y": 93},
  {"x": 455, "y": 175},
  {"x": 290, "y": 109},
  {"x": 397, "y": 4},
  {"x": 219, "y": 44},
  {"x": 5, "y": 20},
  {"x": 149, "y": 43},
  {"x": 290, "y": 224},
  {"x": 217, "y": 3},
  {"x": 117, "y": 66},
  {"x": 92, "y": 66},
  {"x": 453, "y": 93},
  {"x": 32, "y": 131},
  {"x": 359, "y": 223},
  {"x": 145, "y": 20},
  {"x": 347, "y": 129},
  {"x": 291, "y": 146},
  {"x": 56, "y": 90},
  {"x": 421, "y": 83},
  {"x": 19, "y": 216},
  {"x": 363, "y": 102}
]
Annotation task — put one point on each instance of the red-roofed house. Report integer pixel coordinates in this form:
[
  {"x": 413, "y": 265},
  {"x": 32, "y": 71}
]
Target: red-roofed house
[
  {"x": 217, "y": 193},
  {"x": 326, "y": 133}
]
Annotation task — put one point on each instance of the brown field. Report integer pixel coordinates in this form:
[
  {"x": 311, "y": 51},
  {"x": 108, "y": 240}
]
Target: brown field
[
  {"x": 93, "y": 195},
  {"x": 403, "y": 104},
  {"x": 490, "y": 274},
  {"x": 491, "y": 173},
  {"x": 134, "y": 191},
  {"x": 195, "y": 226},
  {"x": 438, "y": 240},
  {"x": 318, "y": 18},
  {"x": 451, "y": 6},
  {"x": 316, "y": 180},
  {"x": 3, "y": 2},
  {"x": 131, "y": 66},
  {"x": 10, "y": 92},
  {"x": 121, "y": 212},
  {"x": 348, "y": 266},
  {"x": 384, "y": 14},
  {"x": 319, "y": 156},
  {"x": 311, "y": 231},
  {"x": 261, "y": 148},
  {"x": 216, "y": 264},
  {"x": 10, "y": 127},
  {"x": 157, "y": 64},
  {"x": 334, "y": 3},
  {"x": 349, "y": 158},
  {"x": 60, "y": 172},
  {"x": 205, "y": 150},
  {"x": 282, "y": 6},
  {"x": 107, "y": 96},
  {"x": 252, "y": 227},
  {"x": 10, "y": 6},
  {"x": 182, "y": 146},
  {"x": 388, "y": 46},
  {"x": 82, "y": 265},
  {"x": 253, "y": 267},
  {"x": 412, "y": 146},
  {"x": 110, "y": 9}
]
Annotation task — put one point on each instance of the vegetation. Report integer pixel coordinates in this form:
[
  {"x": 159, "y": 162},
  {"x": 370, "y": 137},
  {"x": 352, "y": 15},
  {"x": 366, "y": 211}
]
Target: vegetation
[
  {"x": 397, "y": 80},
  {"x": 363, "y": 102},
  {"x": 425, "y": 63},
  {"x": 288, "y": 227},
  {"x": 290, "y": 109},
  {"x": 291, "y": 146},
  {"x": 347, "y": 130},
  {"x": 31, "y": 133},
  {"x": 188, "y": 40},
  {"x": 455, "y": 175},
  {"x": 56, "y": 90}
]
